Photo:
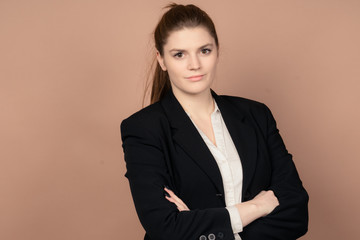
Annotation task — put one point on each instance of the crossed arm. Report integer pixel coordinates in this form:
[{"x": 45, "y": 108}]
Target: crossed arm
[{"x": 260, "y": 206}]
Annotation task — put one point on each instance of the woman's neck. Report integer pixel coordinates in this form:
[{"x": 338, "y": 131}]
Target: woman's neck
[{"x": 197, "y": 105}]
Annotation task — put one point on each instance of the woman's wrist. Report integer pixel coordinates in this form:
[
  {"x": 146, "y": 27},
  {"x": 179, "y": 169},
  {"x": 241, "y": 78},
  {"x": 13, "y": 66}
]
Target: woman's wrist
[
  {"x": 260, "y": 206},
  {"x": 249, "y": 211}
]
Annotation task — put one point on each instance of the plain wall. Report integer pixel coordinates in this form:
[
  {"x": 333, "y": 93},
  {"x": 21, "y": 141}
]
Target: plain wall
[{"x": 70, "y": 71}]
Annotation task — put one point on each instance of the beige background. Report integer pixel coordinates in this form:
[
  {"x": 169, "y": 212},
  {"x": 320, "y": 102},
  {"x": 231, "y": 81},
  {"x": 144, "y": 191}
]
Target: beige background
[{"x": 70, "y": 71}]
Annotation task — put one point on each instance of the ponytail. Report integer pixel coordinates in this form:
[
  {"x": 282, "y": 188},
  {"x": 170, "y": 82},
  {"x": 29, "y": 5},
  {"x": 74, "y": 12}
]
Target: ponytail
[{"x": 160, "y": 84}]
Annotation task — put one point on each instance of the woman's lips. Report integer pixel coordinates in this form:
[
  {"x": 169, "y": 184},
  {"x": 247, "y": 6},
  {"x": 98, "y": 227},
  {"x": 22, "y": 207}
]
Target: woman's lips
[{"x": 195, "y": 78}]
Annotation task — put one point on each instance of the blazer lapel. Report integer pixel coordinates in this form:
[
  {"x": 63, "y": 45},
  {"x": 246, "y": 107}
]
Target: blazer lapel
[
  {"x": 189, "y": 139},
  {"x": 243, "y": 136}
]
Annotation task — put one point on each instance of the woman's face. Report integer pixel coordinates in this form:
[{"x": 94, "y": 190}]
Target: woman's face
[{"x": 190, "y": 58}]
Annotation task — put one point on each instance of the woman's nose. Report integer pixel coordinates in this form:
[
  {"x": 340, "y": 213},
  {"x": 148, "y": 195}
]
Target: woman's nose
[{"x": 194, "y": 63}]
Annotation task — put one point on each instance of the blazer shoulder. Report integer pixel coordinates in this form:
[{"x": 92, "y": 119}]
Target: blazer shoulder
[
  {"x": 151, "y": 111},
  {"x": 146, "y": 118},
  {"x": 245, "y": 104},
  {"x": 254, "y": 112}
]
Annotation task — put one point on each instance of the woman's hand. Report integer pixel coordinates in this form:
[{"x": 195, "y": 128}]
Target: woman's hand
[
  {"x": 171, "y": 197},
  {"x": 266, "y": 201},
  {"x": 260, "y": 206}
]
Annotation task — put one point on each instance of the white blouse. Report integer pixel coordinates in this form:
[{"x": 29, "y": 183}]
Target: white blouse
[{"x": 228, "y": 161}]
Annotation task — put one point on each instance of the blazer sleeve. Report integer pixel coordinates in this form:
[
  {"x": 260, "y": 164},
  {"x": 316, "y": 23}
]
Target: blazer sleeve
[
  {"x": 147, "y": 172},
  {"x": 290, "y": 219}
]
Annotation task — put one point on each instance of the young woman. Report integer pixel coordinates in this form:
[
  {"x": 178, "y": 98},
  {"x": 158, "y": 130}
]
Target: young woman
[{"x": 204, "y": 166}]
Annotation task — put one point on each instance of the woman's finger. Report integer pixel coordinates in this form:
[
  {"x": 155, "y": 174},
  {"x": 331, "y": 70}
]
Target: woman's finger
[
  {"x": 172, "y": 194},
  {"x": 179, "y": 206},
  {"x": 176, "y": 200}
]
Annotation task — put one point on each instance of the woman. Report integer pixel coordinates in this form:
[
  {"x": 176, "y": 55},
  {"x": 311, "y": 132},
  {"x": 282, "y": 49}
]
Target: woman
[{"x": 203, "y": 166}]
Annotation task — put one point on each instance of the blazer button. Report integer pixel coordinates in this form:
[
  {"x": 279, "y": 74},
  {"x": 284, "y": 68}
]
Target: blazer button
[
  {"x": 211, "y": 236},
  {"x": 202, "y": 237},
  {"x": 220, "y": 235}
]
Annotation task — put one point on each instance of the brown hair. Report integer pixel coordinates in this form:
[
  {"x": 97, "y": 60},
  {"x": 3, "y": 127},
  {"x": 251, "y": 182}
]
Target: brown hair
[{"x": 176, "y": 18}]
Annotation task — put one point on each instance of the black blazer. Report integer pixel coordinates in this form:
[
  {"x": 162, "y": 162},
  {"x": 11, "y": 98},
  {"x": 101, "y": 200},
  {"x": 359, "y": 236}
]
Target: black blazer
[{"x": 163, "y": 147}]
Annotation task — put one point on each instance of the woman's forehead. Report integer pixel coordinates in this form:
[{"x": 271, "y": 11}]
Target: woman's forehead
[{"x": 189, "y": 38}]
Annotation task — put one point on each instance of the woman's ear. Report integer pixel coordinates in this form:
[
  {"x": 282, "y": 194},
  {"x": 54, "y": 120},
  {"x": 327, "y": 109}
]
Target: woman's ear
[{"x": 160, "y": 60}]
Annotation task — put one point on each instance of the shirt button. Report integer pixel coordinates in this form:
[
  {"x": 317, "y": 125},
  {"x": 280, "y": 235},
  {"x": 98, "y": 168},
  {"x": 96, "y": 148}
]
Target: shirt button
[{"x": 211, "y": 236}]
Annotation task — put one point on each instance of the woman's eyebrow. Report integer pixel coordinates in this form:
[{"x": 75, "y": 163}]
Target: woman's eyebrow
[
  {"x": 206, "y": 45},
  {"x": 176, "y": 50},
  {"x": 183, "y": 50}
]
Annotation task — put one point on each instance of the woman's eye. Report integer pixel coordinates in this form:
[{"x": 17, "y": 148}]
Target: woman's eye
[
  {"x": 205, "y": 51},
  {"x": 179, "y": 55}
]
